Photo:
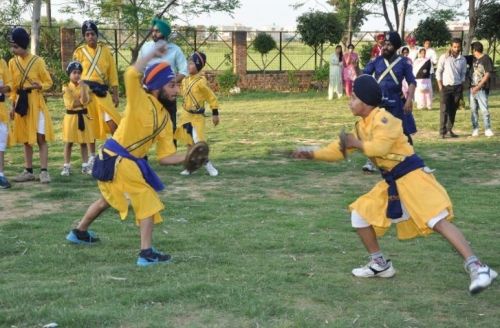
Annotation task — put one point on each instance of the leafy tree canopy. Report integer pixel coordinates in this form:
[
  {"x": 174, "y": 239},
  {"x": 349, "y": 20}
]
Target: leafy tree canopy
[
  {"x": 434, "y": 30},
  {"x": 317, "y": 28}
]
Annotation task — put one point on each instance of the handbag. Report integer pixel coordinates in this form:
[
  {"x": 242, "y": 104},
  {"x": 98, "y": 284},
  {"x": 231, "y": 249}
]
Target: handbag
[{"x": 22, "y": 102}]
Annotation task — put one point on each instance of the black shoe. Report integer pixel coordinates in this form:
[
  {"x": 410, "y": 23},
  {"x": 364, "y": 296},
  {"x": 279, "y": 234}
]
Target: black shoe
[
  {"x": 453, "y": 135},
  {"x": 76, "y": 236},
  {"x": 151, "y": 256}
]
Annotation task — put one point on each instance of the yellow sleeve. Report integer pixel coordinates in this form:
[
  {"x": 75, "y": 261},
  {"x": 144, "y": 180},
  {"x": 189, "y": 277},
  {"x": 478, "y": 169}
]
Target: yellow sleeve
[
  {"x": 209, "y": 95},
  {"x": 15, "y": 84},
  {"x": 87, "y": 91},
  {"x": 67, "y": 97},
  {"x": 6, "y": 76},
  {"x": 133, "y": 87},
  {"x": 112, "y": 72},
  {"x": 165, "y": 143},
  {"x": 43, "y": 74},
  {"x": 385, "y": 131},
  {"x": 330, "y": 153}
]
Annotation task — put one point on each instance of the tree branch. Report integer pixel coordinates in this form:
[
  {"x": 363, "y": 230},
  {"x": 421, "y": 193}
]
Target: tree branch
[{"x": 386, "y": 16}]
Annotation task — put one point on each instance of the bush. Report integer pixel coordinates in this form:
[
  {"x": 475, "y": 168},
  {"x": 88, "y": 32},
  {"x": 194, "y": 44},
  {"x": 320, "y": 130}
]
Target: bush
[
  {"x": 227, "y": 80},
  {"x": 263, "y": 44},
  {"x": 321, "y": 75},
  {"x": 365, "y": 54}
]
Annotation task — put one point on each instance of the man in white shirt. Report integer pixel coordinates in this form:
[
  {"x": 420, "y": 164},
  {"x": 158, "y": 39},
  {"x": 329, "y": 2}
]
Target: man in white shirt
[
  {"x": 161, "y": 30},
  {"x": 450, "y": 76}
]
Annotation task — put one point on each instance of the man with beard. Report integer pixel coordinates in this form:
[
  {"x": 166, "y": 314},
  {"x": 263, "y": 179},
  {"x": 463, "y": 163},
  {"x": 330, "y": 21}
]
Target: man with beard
[
  {"x": 121, "y": 167},
  {"x": 390, "y": 70},
  {"x": 161, "y": 30},
  {"x": 450, "y": 75}
]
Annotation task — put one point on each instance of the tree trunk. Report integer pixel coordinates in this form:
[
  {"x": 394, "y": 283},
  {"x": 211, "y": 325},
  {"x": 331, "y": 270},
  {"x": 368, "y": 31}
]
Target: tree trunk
[
  {"x": 402, "y": 19},
  {"x": 349, "y": 22},
  {"x": 396, "y": 13},
  {"x": 35, "y": 26},
  {"x": 473, "y": 14},
  {"x": 49, "y": 12},
  {"x": 386, "y": 16}
]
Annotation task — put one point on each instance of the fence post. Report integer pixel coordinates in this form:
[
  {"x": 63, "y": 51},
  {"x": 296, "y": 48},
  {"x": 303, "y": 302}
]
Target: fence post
[
  {"x": 281, "y": 48},
  {"x": 116, "y": 48},
  {"x": 239, "y": 52},
  {"x": 67, "y": 45}
]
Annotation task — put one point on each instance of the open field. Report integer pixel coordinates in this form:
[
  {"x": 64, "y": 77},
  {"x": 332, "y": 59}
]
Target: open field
[{"x": 268, "y": 243}]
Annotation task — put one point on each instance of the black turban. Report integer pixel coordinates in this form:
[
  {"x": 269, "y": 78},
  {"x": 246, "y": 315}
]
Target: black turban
[
  {"x": 20, "y": 37},
  {"x": 367, "y": 90},
  {"x": 89, "y": 26},
  {"x": 394, "y": 39},
  {"x": 199, "y": 59},
  {"x": 74, "y": 66}
]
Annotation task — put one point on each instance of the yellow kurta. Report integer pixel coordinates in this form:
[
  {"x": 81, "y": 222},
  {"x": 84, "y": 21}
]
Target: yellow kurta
[
  {"x": 109, "y": 76},
  {"x": 6, "y": 79},
  {"x": 196, "y": 93},
  {"x": 143, "y": 114},
  {"x": 71, "y": 133},
  {"x": 25, "y": 128},
  {"x": 386, "y": 145}
]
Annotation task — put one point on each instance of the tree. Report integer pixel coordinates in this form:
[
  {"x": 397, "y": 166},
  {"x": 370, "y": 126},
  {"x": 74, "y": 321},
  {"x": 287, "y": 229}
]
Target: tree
[
  {"x": 487, "y": 26},
  {"x": 351, "y": 13},
  {"x": 317, "y": 28},
  {"x": 433, "y": 29},
  {"x": 263, "y": 44}
]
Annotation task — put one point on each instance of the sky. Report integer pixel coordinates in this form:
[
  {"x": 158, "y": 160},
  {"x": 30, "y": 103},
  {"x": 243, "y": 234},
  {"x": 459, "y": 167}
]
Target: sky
[{"x": 264, "y": 14}]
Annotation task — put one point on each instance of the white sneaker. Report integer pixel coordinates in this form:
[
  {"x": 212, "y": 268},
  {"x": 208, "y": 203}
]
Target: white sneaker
[
  {"x": 372, "y": 269},
  {"x": 369, "y": 167},
  {"x": 475, "y": 132},
  {"x": 86, "y": 169},
  {"x": 481, "y": 278},
  {"x": 185, "y": 172},
  {"x": 488, "y": 133},
  {"x": 66, "y": 171},
  {"x": 90, "y": 162},
  {"x": 44, "y": 177},
  {"x": 212, "y": 171}
]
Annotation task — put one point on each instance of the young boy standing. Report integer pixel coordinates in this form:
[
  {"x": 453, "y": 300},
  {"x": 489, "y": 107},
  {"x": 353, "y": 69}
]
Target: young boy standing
[
  {"x": 32, "y": 122},
  {"x": 76, "y": 126},
  {"x": 410, "y": 195},
  {"x": 5, "y": 87},
  {"x": 196, "y": 93}
]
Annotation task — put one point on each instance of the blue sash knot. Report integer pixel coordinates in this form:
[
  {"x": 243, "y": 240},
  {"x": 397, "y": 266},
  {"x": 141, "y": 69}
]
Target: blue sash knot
[
  {"x": 147, "y": 171},
  {"x": 410, "y": 163}
]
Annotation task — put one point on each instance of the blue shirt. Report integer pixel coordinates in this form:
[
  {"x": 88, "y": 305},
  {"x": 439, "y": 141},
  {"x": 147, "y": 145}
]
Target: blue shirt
[
  {"x": 402, "y": 70},
  {"x": 174, "y": 56}
]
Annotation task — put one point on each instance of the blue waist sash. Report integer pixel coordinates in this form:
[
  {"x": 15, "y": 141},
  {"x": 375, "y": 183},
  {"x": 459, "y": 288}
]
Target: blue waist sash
[
  {"x": 411, "y": 163},
  {"x": 147, "y": 171}
]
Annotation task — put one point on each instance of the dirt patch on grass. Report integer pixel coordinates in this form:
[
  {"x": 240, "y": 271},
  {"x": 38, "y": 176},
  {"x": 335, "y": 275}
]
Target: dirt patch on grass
[
  {"x": 22, "y": 205},
  {"x": 490, "y": 179},
  {"x": 281, "y": 194}
]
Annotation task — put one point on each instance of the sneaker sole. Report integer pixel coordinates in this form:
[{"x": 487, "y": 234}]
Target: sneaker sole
[
  {"x": 145, "y": 263},
  {"x": 71, "y": 237}
]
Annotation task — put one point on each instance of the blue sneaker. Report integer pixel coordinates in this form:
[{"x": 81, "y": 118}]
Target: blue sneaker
[
  {"x": 4, "y": 183},
  {"x": 76, "y": 236},
  {"x": 151, "y": 256}
]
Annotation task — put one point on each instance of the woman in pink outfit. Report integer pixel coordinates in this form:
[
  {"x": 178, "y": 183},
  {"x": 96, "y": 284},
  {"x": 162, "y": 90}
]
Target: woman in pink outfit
[{"x": 350, "y": 62}]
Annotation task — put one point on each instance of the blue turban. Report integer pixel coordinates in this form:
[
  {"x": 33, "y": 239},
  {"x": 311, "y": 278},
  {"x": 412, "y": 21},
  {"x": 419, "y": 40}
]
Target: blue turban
[
  {"x": 367, "y": 90},
  {"x": 163, "y": 26},
  {"x": 74, "y": 66},
  {"x": 157, "y": 75},
  {"x": 199, "y": 59},
  {"x": 20, "y": 37}
]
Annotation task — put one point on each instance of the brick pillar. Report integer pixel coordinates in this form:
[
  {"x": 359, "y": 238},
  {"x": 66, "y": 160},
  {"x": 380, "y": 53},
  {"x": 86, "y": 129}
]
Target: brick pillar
[
  {"x": 67, "y": 45},
  {"x": 240, "y": 52}
]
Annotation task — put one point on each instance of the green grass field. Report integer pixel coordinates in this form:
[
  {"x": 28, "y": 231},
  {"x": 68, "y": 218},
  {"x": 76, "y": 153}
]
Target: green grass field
[{"x": 268, "y": 243}]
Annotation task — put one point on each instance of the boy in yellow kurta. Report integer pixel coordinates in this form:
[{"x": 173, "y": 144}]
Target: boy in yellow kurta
[
  {"x": 5, "y": 87},
  {"x": 32, "y": 122},
  {"x": 99, "y": 72},
  {"x": 127, "y": 177},
  {"x": 76, "y": 122},
  {"x": 409, "y": 195},
  {"x": 196, "y": 93}
]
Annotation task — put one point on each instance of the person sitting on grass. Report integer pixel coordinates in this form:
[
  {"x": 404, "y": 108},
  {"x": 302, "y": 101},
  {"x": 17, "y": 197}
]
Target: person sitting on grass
[
  {"x": 196, "y": 92},
  {"x": 410, "y": 195},
  {"x": 121, "y": 168},
  {"x": 76, "y": 127}
]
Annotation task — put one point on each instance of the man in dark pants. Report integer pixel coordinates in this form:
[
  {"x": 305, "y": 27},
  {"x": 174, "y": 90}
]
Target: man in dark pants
[{"x": 450, "y": 76}]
